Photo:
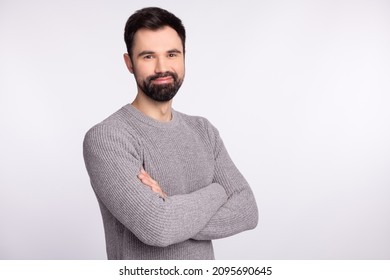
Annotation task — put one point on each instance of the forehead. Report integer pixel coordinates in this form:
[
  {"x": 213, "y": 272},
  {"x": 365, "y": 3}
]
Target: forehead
[{"x": 160, "y": 40}]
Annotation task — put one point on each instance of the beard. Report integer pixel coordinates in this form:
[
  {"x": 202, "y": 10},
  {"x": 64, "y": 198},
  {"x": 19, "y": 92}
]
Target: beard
[{"x": 163, "y": 92}]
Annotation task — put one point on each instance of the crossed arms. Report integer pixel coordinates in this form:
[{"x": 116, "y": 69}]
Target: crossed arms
[{"x": 221, "y": 209}]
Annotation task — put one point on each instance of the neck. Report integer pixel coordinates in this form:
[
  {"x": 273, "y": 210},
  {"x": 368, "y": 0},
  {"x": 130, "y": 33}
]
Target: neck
[{"x": 161, "y": 111}]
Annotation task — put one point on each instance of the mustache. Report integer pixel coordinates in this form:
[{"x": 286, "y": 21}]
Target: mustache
[{"x": 162, "y": 75}]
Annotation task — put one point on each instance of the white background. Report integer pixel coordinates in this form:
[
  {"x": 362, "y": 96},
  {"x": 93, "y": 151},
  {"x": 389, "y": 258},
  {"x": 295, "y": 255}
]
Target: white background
[{"x": 299, "y": 91}]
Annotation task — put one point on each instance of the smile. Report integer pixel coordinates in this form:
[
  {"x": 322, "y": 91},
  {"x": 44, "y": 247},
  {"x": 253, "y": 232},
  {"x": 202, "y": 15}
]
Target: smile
[{"x": 163, "y": 80}]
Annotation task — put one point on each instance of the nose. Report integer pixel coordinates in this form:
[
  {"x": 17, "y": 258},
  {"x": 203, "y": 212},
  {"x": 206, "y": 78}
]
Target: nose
[{"x": 161, "y": 65}]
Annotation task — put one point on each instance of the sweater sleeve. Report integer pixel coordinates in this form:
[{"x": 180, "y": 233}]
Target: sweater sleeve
[
  {"x": 113, "y": 163},
  {"x": 240, "y": 212}
]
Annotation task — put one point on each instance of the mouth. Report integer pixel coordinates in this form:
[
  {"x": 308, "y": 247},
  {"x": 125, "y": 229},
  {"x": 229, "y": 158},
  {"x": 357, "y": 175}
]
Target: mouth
[{"x": 163, "y": 80}]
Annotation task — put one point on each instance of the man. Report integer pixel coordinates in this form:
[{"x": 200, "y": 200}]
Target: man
[{"x": 164, "y": 181}]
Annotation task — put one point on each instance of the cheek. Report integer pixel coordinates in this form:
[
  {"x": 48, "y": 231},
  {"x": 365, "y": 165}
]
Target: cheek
[
  {"x": 139, "y": 78},
  {"x": 180, "y": 70},
  {"x": 140, "y": 73}
]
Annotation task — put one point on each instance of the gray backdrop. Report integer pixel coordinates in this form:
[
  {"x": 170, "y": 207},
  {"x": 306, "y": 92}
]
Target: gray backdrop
[{"x": 298, "y": 89}]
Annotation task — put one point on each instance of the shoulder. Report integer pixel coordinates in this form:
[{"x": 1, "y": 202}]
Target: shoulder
[
  {"x": 201, "y": 124},
  {"x": 195, "y": 120},
  {"x": 113, "y": 128}
]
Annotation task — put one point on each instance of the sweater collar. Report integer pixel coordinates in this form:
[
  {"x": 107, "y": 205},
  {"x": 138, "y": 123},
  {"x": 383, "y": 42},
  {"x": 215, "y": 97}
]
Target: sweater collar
[{"x": 150, "y": 121}]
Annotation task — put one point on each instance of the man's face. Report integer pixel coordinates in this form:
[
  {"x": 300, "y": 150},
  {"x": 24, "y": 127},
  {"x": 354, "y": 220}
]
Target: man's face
[{"x": 158, "y": 62}]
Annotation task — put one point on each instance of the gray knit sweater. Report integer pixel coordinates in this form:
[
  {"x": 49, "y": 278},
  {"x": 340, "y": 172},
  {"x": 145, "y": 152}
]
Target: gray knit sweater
[{"x": 208, "y": 198}]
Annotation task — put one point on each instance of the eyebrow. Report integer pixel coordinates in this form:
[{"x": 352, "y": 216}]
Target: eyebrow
[
  {"x": 145, "y": 53},
  {"x": 174, "y": 51},
  {"x": 152, "y": 52}
]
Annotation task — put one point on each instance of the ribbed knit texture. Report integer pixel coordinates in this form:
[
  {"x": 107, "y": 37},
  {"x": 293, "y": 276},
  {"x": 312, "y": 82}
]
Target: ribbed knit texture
[{"x": 207, "y": 199}]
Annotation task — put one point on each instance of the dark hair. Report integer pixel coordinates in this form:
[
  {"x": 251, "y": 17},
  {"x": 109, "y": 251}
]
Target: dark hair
[{"x": 152, "y": 18}]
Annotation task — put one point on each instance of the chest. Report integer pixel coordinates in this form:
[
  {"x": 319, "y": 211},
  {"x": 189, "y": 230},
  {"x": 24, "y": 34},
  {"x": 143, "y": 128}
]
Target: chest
[{"x": 181, "y": 161}]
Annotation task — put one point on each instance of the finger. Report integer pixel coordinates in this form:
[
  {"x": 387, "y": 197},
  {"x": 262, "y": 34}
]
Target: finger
[
  {"x": 162, "y": 194},
  {"x": 159, "y": 191},
  {"x": 153, "y": 181},
  {"x": 156, "y": 189},
  {"x": 146, "y": 181},
  {"x": 150, "y": 183},
  {"x": 144, "y": 174}
]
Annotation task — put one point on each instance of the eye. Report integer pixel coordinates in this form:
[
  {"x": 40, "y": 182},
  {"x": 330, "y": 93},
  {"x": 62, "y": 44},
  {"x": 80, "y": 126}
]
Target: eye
[
  {"x": 148, "y": 57},
  {"x": 172, "y": 55}
]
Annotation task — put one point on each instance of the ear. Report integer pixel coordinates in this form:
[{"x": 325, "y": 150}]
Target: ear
[{"x": 128, "y": 62}]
